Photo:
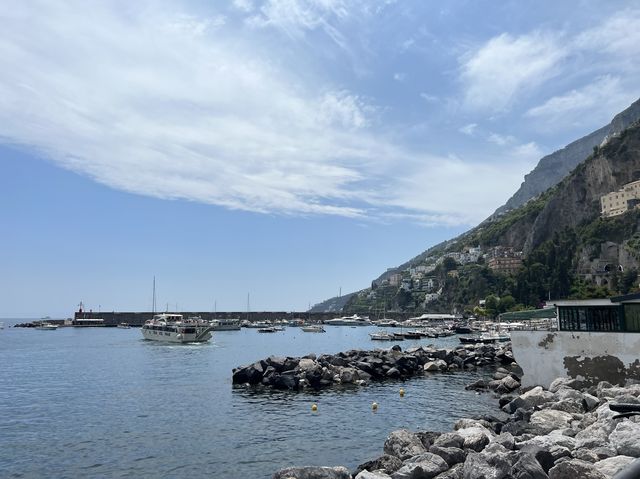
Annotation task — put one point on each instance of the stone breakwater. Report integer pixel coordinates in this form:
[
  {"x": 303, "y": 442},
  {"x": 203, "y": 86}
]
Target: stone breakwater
[
  {"x": 565, "y": 432},
  {"x": 360, "y": 367}
]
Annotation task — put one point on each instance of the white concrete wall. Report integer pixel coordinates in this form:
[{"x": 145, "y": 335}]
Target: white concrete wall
[{"x": 547, "y": 355}]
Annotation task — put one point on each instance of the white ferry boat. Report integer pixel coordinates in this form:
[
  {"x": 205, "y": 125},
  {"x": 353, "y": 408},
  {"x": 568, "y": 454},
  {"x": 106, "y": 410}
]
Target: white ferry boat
[
  {"x": 171, "y": 327},
  {"x": 354, "y": 320}
]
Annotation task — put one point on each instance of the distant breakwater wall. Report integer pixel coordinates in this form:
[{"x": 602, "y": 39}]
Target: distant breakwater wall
[{"x": 113, "y": 318}]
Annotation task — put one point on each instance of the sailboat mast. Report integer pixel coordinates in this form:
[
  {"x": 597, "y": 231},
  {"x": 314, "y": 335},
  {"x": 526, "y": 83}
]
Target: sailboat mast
[{"x": 153, "y": 303}]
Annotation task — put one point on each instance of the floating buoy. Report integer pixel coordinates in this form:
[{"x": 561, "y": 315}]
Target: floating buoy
[
  {"x": 401, "y": 392},
  {"x": 314, "y": 407},
  {"x": 374, "y": 406}
]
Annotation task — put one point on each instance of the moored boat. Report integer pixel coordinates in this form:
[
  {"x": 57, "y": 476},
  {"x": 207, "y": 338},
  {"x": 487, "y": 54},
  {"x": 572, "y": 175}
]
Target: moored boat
[
  {"x": 171, "y": 327},
  {"x": 354, "y": 320},
  {"x": 313, "y": 328},
  {"x": 124, "y": 326},
  {"x": 46, "y": 326},
  {"x": 225, "y": 325},
  {"x": 477, "y": 339},
  {"x": 269, "y": 329},
  {"x": 382, "y": 336}
]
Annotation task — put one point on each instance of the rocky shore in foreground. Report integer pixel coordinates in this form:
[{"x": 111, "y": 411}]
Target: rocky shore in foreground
[
  {"x": 359, "y": 367},
  {"x": 565, "y": 432}
]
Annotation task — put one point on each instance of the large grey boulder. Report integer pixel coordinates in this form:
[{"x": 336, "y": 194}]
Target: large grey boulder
[
  {"x": 554, "y": 438},
  {"x": 507, "y": 384},
  {"x": 449, "y": 439},
  {"x": 372, "y": 475},
  {"x": 527, "y": 467},
  {"x": 454, "y": 473},
  {"x": 403, "y": 444},
  {"x": 549, "y": 420},
  {"x": 612, "y": 465},
  {"x": 596, "y": 435},
  {"x": 505, "y": 439},
  {"x": 626, "y": 438},
  {"x": 386, "y": 462},
  {"x": 574, "y": 469},
  {"x": 313, "y": 472},
  {"x": 478, "y": 466},
  {"x": 451, "y": 455},
  {"x": 590, "y": 402},
  {"x": 476, "y": 441},
  {"x": 424, "y": 466},
  {"x": 532, "y": 398}
]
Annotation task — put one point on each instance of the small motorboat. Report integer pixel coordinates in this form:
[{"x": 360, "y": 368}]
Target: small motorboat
[
  {"x": 45, "y": 326},
  {"x": 124, "y": 326},
  {"x": 313, "y": 328},
  {"x": 382, "y": 336},
  {"x": 269, "y": 329},
  {"x": 413, "y": 335}
]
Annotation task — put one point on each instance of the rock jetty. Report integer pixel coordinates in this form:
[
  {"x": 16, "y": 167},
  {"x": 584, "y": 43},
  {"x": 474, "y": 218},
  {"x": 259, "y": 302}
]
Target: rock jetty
[
  {"x": 360, "y": 367},
  {"x": 565, "y": 432}
]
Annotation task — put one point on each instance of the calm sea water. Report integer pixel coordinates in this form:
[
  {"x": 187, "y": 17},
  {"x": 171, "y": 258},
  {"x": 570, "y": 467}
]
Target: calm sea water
[{"x": 102, "y": 402}]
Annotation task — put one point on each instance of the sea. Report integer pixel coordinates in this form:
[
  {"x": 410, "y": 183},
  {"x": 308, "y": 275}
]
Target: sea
[{"x": 103, "y": 402}]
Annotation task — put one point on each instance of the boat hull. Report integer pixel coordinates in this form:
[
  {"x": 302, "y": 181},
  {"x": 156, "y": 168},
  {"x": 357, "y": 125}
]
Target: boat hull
[{"x": 173, "y": 337}]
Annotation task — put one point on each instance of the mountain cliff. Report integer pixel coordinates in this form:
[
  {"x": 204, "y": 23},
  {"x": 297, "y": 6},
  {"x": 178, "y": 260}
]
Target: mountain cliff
[
  {"x": 552, "y": 168},
  {"x": 566, "y": 248}
]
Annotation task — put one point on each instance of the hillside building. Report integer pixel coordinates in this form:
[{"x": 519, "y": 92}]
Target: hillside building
[
  {"x": 505, "y": 264},
  {"x": 621, "y": 201}
]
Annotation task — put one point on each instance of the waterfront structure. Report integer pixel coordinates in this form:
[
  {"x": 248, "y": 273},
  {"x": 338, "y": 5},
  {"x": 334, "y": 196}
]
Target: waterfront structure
[
  {"x": 88, "y": 322},
  {"x": 596, "y": 340},
  {"x": 620, "y": 201},
  {"x": 173, "y": 328}
]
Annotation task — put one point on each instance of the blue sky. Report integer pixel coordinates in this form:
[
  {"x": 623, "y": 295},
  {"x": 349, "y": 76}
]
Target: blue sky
[{"x": 283, "y": 148}]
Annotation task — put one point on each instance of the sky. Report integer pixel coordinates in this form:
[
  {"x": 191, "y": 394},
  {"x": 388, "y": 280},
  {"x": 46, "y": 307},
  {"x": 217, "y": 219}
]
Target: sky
[{"x": 282, "y": 149}]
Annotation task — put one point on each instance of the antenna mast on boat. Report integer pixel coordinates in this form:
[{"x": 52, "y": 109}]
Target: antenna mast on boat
[
  {"x": 153, "y": 304},
  {"x": 248, "y": 306}
]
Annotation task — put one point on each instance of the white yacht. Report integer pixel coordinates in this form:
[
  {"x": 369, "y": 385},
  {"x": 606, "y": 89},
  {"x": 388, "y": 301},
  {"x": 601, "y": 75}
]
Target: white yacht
[
  {"x": 171, "y": 327},
  {"x": 124, "y": 326},
  {"x": 225, "y": 325},
  {"x": 354, "y": 320}
]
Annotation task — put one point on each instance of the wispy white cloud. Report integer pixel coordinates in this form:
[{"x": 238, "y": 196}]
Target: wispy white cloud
[
  {"x": 501, "y": 140},
  {"x": 297, "y": 16},
  {"x": 171, "y": 106},
  {"x": 429, "y": 98},
  {"x": 399, "y": 76},
  {"x": 594, "y": 101},
  {"x": 244, "y": 5},
  {"x": 506, "y": 66},
  {"x": 617, "y": 35},
  {"x": 469, "y": 129}
]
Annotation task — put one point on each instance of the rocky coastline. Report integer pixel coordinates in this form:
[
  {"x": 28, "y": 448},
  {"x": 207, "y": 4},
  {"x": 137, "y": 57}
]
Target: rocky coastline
[
  {"x": 359, "y": 367},
  {"x": 565, "y": 432}
]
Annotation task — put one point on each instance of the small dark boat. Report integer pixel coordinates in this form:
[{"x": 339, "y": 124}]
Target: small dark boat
[
  {"x": 475, "y": 340},
  {"x": 463, "y": 329}
]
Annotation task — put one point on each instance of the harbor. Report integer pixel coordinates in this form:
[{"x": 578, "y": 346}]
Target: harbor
[{"x": 62, "y": 385}]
